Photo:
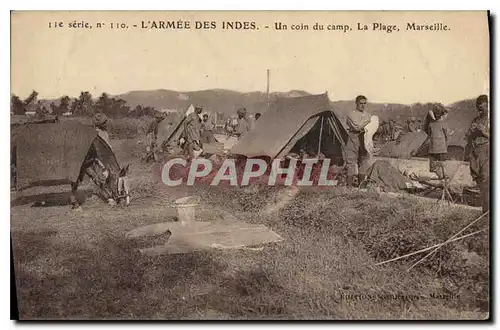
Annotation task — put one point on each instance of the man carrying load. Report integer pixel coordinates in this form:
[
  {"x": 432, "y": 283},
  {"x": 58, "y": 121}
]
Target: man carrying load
[
  {"x": 191, "y": 135},
  {"x": 152, "y": 148}
]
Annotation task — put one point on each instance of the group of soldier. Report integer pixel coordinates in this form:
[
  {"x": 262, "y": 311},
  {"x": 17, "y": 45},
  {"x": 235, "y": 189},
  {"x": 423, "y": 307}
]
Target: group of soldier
[
  {"x": 390, "y": 130},
  {"x": 198, "y": 130},
  {"x": 438, "y": 133}
]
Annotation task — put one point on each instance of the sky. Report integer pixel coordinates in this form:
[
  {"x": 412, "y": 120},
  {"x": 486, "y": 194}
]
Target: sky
[{"x": 398, "y": 67}]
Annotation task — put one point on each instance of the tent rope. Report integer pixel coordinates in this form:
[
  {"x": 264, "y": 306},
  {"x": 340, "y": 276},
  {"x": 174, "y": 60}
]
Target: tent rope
[
  {"x": 429, "y": 248},
  {"x": 449, "y": 240}
]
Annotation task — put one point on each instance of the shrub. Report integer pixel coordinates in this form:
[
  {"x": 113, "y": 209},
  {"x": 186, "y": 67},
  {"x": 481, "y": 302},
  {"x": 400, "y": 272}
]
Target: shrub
[
  {"x": 128, "y": 128},
  {"x": 119, "y": 128}
]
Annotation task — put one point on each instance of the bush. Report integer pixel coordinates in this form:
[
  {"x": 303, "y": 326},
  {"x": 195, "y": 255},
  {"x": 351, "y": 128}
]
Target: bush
[
  {"x": 128, "y": 128},
  {"x": 118, "y": 128}
]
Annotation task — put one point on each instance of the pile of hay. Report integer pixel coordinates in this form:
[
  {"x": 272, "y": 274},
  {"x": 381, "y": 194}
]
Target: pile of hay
[{"x": 392, "y": 228}]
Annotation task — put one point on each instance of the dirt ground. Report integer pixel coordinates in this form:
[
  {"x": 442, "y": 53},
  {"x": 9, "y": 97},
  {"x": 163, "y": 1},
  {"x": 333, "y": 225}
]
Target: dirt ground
[{"x": 72, "y": 265}]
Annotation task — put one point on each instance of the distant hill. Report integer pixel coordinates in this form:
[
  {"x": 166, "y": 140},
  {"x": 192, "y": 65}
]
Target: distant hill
[
  {"x": 227, "y": 101},
  {"x": 216, "y": 100}
]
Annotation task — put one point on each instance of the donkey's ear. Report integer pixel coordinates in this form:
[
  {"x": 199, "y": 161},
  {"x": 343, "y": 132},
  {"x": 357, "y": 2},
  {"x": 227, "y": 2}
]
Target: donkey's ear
[{"x": 124, "y": 170}]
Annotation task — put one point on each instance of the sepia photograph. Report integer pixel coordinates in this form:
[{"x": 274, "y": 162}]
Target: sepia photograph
[{"x": 250, "y": 165}]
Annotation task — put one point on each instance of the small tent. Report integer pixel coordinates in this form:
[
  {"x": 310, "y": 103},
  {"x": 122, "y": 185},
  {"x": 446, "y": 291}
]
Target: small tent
[
  {"x": 190, "y": 110},
  {"x": 170, "y": 129},
  {"x": 292, "y": 124},
  {"x": 405, "y": 146}
]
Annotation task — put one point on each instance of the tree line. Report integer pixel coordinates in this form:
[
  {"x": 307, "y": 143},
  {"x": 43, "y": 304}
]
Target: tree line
[{"x": 83, "y": 105}]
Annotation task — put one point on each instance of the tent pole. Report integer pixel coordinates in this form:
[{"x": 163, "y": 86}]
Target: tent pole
[{"x": 320, "y": 135}]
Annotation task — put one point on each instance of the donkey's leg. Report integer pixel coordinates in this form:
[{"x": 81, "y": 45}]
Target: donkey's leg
[
  {"x": 74, "y": 188},
  {"x": 124, "y": 189},
  {"x": 73, "y": 201}
]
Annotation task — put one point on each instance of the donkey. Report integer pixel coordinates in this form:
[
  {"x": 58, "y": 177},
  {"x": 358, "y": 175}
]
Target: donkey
[
  {"x": 111, "y": 180},
  {"x": 42, "y": 144}
]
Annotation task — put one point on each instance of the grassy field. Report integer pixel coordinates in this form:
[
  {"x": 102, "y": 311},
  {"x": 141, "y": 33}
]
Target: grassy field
[{"x": 80, "y": 265}]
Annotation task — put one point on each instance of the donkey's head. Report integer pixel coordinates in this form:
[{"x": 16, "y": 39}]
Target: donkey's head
[
  {"x": 113, "y": 176},
  {"x": 117, "y": 183}
]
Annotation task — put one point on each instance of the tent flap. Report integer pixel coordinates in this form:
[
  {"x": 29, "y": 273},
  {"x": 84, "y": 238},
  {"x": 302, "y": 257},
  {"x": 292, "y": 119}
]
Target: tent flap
[{"x": 286, "y": 122}]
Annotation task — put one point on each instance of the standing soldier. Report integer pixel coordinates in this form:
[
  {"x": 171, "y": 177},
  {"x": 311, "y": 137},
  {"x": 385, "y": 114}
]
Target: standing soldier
[
  {"x": 230, "y": 125},
  {"x": 192, "y": 127},
  {"x": 438, "y": 135},
  {"x": 392, "y": 129},
  {"x": 243, "y": 125},
  {"x": 152, "y": 136},
  {"x": 478, "y": 137},
  {"x": 356, "y": 153},
  {"x": 207, "y": 130},
  {"x": 412, "y": 124},
  {"x": 419, "y": 125}
]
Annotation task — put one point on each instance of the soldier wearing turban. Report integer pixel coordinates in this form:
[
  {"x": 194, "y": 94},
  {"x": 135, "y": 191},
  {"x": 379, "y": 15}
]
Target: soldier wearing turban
[
  {"x": 243, "y": 125},
  {"x": 439, "y": 136},
  {"x": 152, "y": 136},
  {"x": 478, "y": 138},
  {"x": 192, "y": 129}
]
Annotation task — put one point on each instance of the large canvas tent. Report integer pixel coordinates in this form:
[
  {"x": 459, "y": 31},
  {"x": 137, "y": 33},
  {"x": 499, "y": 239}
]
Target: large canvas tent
[
  {"x": 292, "y": 124},
  {"x": 53, "y": 153}
]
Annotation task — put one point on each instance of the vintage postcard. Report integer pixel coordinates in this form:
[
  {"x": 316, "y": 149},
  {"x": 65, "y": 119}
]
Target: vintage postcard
[{"x": 255, "y": 165}]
